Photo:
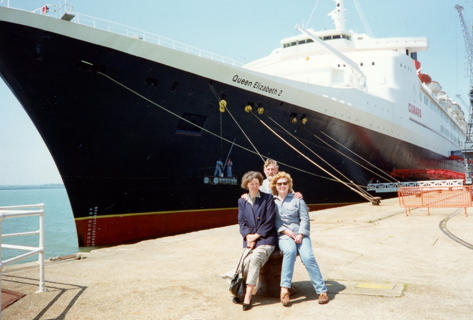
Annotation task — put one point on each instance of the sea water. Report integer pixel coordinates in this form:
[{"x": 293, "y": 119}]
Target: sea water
[{"x": 60, "y": 237}]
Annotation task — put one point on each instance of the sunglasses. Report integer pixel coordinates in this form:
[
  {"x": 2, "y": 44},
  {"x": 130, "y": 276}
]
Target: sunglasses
[{"x": 281, "y": 183}]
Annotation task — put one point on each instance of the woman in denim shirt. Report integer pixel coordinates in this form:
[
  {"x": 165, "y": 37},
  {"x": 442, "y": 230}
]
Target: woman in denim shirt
[{"x": 292, "y": 224}]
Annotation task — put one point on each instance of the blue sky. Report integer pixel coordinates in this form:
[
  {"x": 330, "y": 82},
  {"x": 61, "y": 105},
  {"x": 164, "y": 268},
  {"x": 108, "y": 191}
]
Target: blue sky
[{"x": 244, "y": 30}]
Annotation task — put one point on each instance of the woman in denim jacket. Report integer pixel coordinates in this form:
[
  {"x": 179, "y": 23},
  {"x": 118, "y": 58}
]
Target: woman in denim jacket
[{"x": 292, "y": 224}]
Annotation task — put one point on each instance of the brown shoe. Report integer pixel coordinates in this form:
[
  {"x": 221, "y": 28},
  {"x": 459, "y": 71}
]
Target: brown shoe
[
  {"x": 292, "y": 290},
  {"x": 285, "y": 298},
  {"x": 323, "y": 298}
]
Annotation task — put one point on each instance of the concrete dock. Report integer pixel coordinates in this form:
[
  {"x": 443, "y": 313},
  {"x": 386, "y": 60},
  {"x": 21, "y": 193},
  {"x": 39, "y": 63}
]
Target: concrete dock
[{"x": 378, "y": 264}]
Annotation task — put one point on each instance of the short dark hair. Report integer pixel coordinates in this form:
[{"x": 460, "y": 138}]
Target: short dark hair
[{"x": 250, "y": 175}]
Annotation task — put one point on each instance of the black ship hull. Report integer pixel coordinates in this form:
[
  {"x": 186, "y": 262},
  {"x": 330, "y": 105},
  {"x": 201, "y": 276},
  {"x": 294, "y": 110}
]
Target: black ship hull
[{"x": 136, "y": 140}]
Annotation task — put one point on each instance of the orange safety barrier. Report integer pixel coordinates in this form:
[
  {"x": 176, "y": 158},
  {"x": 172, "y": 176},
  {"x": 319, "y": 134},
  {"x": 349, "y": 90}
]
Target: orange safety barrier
[{"x": 435, "y": 197}]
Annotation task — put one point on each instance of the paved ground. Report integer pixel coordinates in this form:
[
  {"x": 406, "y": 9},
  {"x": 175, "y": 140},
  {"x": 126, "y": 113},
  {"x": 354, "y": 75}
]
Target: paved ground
[{"x": 378, "y": 264}]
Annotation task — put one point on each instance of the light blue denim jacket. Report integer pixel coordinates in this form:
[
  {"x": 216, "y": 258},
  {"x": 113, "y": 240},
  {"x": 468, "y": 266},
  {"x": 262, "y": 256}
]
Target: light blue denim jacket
[{"x": 292, "y": 214}]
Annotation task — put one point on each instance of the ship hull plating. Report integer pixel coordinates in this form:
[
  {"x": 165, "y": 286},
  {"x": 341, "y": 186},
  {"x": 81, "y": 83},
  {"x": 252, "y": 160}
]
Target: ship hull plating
[{"x": 135, "y": 169}]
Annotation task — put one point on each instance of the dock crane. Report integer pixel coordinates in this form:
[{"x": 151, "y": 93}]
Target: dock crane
[{"x": 468, "y": 146}]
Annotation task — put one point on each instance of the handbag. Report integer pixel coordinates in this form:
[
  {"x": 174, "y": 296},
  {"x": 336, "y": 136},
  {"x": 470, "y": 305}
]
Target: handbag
[{"x": 237, "y": 284}]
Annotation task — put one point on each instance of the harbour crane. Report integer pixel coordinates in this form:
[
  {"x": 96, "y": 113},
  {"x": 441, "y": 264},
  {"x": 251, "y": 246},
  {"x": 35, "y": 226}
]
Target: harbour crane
[{"x": 468, "y": 146}]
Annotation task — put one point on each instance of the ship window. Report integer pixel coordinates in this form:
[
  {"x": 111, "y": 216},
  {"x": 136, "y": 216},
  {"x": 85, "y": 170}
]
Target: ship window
[
  {"x": 293, "y": 43},
  {"x": 361, "y": 64},
  {"x": 285, "y": 45},
  {"x": 336, "y": 36},
  {"x": 327, "y": 37},
  {"x": 372, "y": 63},
  {"x": 301, "y": 42},
  {"x": 309, "y": 40},
  {"x": 186, "y": 128}
]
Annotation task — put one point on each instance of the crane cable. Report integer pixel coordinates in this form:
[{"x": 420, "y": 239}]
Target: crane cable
[
  {"x": 318, "y": 156},
  {"x": 368, "y": 198}
]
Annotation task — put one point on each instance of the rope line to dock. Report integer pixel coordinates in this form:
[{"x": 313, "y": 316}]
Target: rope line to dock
[
  {"x": 349, "y": 158},
  {"x": 202, "y": 128},
  {"x": 389, "y": 177},
  {"x": 368, "y": 198},
  {"x": 443, "y": 227},
  {"x": 348, "y": 180},
  {"x": 244, "y": 133}
]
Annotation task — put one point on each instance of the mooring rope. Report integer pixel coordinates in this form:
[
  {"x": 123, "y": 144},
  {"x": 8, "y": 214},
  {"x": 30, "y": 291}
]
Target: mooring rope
[
  {"x": 200, "y": 127},
  {"x": 349, "y": 158},
  {"x": 173, "y": 113},
  {"x": 368, "y": 198},
  {"x": 368, "y": 162},
  {"x": 204, "y": 129},
  {"x": 244, "y": 133},
  {"x": 318, "y": 156}
]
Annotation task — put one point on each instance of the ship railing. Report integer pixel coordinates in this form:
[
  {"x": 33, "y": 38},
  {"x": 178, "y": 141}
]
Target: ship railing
[
  {"x": 115, "y": 27},
  {"x": 11, "y": 212},
  {"x": 394, "y": 186},
  {"x": 58, "y": 11}
]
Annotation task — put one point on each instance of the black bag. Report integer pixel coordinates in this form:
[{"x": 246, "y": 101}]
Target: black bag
[{"x": 237, "y": 284}]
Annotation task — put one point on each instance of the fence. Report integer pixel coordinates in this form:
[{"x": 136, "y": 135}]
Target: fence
[
  {"x": 435, "y": 197},
  {"x": 18, "y": 212}
]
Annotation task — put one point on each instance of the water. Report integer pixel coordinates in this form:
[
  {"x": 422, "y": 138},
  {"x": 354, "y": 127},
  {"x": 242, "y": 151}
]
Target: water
[{"x": 60, "y": 237}]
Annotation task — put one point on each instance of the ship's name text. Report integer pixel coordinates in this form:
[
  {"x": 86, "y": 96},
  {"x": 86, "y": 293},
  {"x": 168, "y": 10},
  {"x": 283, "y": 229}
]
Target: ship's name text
[
  {"x": 256, "y": 85},
  {"x": 415, "y": 110}
]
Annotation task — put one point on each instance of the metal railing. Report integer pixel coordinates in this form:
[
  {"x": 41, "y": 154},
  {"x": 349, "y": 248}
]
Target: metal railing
[
  {"x": 107, "y": 25},
  {"x": 18, "y": 212},
  {"x": 394, "y": 186}
]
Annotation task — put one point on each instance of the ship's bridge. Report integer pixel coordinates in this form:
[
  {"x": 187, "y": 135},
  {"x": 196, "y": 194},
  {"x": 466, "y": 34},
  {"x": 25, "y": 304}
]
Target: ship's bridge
[
  {"x": 324, "y": 36},
  {"x": 347, "y": 41}
]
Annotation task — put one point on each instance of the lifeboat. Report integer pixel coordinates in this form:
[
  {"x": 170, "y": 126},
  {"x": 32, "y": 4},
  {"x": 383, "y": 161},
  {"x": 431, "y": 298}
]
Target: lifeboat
[
  {"x": 435, "y": 87},
  {"x": 425, "y": 78}
]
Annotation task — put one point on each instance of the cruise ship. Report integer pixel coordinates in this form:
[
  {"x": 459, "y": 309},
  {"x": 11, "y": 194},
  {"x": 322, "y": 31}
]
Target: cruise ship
[{"x": 151, "y": 140}]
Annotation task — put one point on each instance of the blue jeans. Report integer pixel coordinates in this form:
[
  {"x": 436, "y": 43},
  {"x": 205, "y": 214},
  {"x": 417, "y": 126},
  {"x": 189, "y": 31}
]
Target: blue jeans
[{"x": 289, "y": 249}]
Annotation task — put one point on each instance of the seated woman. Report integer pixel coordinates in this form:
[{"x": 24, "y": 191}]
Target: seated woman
[
  {"x": 292, "y": 224},
  {"x": 256, "y": 216}
]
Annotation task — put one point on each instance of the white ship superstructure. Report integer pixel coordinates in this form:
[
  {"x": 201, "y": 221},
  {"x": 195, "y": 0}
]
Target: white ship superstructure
[{"x": 380, "y": 78}]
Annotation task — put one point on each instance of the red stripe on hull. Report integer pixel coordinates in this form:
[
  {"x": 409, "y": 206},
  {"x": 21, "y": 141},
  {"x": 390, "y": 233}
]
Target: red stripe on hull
[{"x": 106, "y": 231}]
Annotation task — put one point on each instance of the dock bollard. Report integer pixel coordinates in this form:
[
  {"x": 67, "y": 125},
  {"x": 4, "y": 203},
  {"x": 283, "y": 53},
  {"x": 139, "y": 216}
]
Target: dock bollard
[{"x": 375, "y": 201}]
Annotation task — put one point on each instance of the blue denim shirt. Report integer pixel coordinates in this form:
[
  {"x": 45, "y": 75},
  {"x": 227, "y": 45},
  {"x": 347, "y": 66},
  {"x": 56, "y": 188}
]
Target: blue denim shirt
[{"x": 292, "y": 214}]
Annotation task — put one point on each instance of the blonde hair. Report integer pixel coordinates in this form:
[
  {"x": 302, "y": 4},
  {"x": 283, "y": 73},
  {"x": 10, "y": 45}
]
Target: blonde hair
[
  {"x": 250, "y": 175},
  {"x": 279, "y": 175},
  {"x": 269, "y": 162}
]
